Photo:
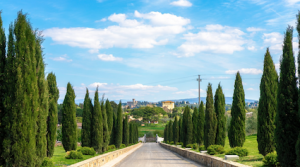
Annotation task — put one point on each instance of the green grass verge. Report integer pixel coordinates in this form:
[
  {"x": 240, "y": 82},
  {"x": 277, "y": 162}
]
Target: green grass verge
[{"x": 153, "y": 127}]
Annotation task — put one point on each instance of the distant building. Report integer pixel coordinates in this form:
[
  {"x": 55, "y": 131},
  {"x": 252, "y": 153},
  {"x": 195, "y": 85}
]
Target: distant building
[
  {"x": 168, "y": 104},
  {"x": 249, "y": 114},
  {"x": 132, "y": 103}
]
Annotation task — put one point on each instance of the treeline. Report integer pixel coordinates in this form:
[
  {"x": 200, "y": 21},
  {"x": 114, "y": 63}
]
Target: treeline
[{"x": 28, "y": 100}]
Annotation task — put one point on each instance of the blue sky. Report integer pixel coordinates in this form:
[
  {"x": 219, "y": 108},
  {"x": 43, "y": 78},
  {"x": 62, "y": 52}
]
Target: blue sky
[{"x": 154, "y": 49}]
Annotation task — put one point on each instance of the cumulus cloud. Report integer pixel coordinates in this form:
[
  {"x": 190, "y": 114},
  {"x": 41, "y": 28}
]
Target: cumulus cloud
[
  {"x": 184, "y": 3},
  {"x": 62, "y": 58},
  {"x": 213, "y": 38},
  {"x": 254, "y": 29},
  {"x": 274, "y": 41},
  {"x": 110, "y": 57},
  {"x": 250, "y": 89},
  {"x": 292, "y": 2},
  {"x": 251, "y": 48},
  {"x": 245, "y": 71},
  {"x": 102, "y": 20},
  {"x": 128, "y": 32}
]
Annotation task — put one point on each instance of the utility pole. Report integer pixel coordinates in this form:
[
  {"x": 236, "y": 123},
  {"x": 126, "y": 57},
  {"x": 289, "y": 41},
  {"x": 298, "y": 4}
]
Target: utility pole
[{"x": 199, "y": 80}]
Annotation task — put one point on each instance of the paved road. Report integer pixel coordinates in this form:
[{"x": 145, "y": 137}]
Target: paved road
[{"x": 153, "y": 155}]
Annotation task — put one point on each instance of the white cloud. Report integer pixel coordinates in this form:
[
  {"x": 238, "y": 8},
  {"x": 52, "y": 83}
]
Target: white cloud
[
  {"x": 254, "y": 29},
  {"x": 110, "y": 57},
  {"x": 292, "y": 2},
  {"x": 274, "y": 41},
  {"x": 245, "y": 71},
  {"x": 251, "y": 48},
  {"x": 95, "y": 84},
  {"x": 190, "y": 92},
  {"x": 62, "y": 58},
  {"x": 213, "y": 38},
  {"x": 102, "y": 20},
  {"x": 128, "y": 33},
  {"x": 184, "y": 3},
  {"x": 250, "y": 89}
]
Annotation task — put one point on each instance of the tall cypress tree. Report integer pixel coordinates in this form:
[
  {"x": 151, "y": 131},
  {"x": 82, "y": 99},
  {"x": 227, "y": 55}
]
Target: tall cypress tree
[
  {"x": 125, "y": 131},
  {"x": 201, "y": 123},
  {"x": 113, "y": 130},
  {"x": 86, "y": 132},
  {"x": 119, "y": 129},
  {"x": 221, "y": 119},
  {"x": 136, "y": 133},
  {"x": 195, "y": 125},
  {"x": 210, "y": 119},
  {"x": 52, "y": 116},
  {"x": 236, "y": 132},
  {"x": 187, "y": 124},
  {"x": 267, "y": 107},
  {"x": 287, "y": 120},
  {"x": 97, "y": 125},
  {"x": 170, "y": 136},
  {"x": 179, "y": 129},
  {"x": 69, "y": 125},
  {"x": 2, "y": 83},
  {"x": 166, "y": 137},
  {"x": 109, "y": 113},
  {"x": 175, "y": 131},
  {"x": 106, "y": 135},
  {"x": 130, "y": 133},
  {"x": 298, "y": 141}
]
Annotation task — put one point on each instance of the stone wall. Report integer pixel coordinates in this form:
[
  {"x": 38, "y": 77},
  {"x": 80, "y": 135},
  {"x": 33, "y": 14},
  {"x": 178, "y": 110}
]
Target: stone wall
[
  {"x": 103, "y": 159},
  {"x": 204, "y": 159}
]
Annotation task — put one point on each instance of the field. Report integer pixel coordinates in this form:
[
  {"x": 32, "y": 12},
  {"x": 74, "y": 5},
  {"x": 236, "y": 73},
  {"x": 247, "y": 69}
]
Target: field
[{"x": 154, "y": 128}]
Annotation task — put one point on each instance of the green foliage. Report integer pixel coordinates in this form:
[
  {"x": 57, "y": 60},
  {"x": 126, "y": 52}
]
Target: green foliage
[
  {"x": 87, "y": 150},
  {"x": 59, "y": 134},
  {"x": 210, "y": 119},
  {"x": 69, "y": 125},
  {"x": 240, "y": 151},
  {"x": 175, "y": 131},
  {"x": 201, "y": 123},
  {"x": 47, "y": 162},
  {"x": 271, "y": 159},
  {"x": 74, "y": 155},
  {"x": 298, "y": 141},
  {"x": 148, "y": 113},
  {"x": 267, "y": 107},
  {"x": 201, "y": 148},
  {"x": 236, "y": 132},
  {"x": 97, "y": 125},
  {"x": 195, "y": 125},
  {"x": 172, "y": 142},
  {"x": 187, "y": 127},
  {"x": 106, "y": 133},
  {"x": 195, "y": 146},
  {"x": 166, "y": 133},
  {"x": 170, "y": 130},
  {"x": 122, "y": 146},
  {"x": 109, "y": 113},
  {"x": 113, "y": 130},
  {"x": 114, "y": 107},
  {"x": 215, "y": 149},
  {"x": 189, "y": 146},
  {"x": 125, "y": 131},
  {"x": 111, "y": 147},
  {"x": 287, "y": 120},
  {"x": 220, "y": 114},
  {"x": 86, "y": 132},
  {"x": 119, "y": 128}
]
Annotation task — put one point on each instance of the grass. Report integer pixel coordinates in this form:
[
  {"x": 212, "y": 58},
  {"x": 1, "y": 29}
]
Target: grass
[
  {"x": 151, "y": 127},
  {"x": 60, "y": 160}
]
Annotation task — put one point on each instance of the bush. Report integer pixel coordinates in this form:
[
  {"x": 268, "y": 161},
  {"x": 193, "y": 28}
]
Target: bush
[
  {"x": 195, "y": 146},
  {"x": 202, "y": 148},
  {"x": 215, "y": 149},
  {"x": 47, "y": 162},
  {"x": 111, "y": 147},
  {"x": 179, "y": 143},
  {"x": 189, "y": 146},
  {"x": 87, "y": 151},
  {"x": 74, "y": 155},
  {"x": 122, "y": 146},
  {"x": 271, "y": 159},
  {"x": 172, "y": 142},
  {"x": 241, "y": 152}
]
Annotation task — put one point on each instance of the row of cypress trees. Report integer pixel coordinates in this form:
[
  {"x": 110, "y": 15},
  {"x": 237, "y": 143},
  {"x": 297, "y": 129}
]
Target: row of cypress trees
[{"x": 28, "y": 112}]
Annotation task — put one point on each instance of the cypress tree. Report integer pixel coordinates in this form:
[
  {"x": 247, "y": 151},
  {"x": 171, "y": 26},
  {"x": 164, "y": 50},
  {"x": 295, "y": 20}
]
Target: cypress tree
[
  {"x": 195, "y": 125},
  {"x": 106, "y": 135},
  {"x": 113, "y": 130},
  {"x": 2, "y": 83},
  {"x": 166, "y": 137},
  {"x": 210, "y": 119},
  {"x": 187, "y": 124},
  {"x": 298, "y": 141},
  {"x": 236, "y": 132},
  {"x": 286, "y": 119},
  {"x": 201, "y": 123},
  {"x": 125, "y": 131},
  {"x": 86, "y": 132},
  {"x": 175, "y": 131},
  {"x": 267, "y": 107},
  {"x": 170, "y": 136},
  {"x": 136, "y": 133},
  {"x": 19, "y": 141},
  {"x": 179, "y": 129},
  {"x": 119, "y": 129},
  {"x": 69, "y": 125},
  {"x": 130, "y": 133},
  {"x": 97, "y": 125},
  {"x": 52, "y": 116},
  {"x": 109, "y": 113},
  {"x": 220, "y": 114}
]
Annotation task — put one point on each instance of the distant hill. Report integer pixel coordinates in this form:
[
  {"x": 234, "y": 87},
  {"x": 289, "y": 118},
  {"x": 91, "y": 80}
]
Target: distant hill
[{"x": 228, "y": 100}]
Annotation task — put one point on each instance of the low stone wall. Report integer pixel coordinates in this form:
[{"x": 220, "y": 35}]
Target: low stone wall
[
  {"x": 207, "y": 160},
  {"x": 103, "y": 159}
]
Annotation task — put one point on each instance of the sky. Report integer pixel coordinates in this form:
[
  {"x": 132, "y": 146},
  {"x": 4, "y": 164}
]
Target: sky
[{"x": 154, "y": 50}]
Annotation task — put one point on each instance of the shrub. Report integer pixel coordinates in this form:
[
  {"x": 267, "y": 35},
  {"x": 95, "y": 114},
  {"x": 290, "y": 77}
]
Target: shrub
[
  {"x": 74, "y": 155},
  {"x": 202, "y": 148},
  {"x": 172, "y": 142},
  {"x": 215, "y": 149},
  {"x": 111, "y": 147},
  {"x": 241, "y": 152},
  {"x": 195, "y": 146},
  {"x": 271, "y": 159},
  {"x": 179, "y": 143},
  {"x": 87, "y": 151},
  {"x": 189, "y": 146},
  {"x": 47, "y": 162},
  {"x": 122, "y": 146}
]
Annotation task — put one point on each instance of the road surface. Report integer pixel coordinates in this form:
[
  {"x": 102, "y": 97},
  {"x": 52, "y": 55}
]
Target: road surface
[{"x": 153, "y": 155}]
